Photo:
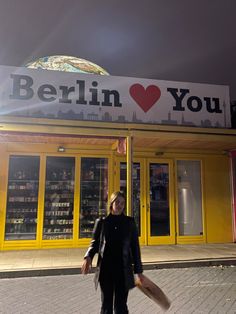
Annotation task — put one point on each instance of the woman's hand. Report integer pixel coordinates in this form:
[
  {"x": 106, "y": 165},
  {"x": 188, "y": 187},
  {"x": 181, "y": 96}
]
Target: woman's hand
[
  {"x": 86, "y": 265},
  {"x": 140, "y": 278}
]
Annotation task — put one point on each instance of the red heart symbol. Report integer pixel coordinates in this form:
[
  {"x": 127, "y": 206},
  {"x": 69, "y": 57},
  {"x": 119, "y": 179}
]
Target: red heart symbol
[{"x": 145, "y": 98}]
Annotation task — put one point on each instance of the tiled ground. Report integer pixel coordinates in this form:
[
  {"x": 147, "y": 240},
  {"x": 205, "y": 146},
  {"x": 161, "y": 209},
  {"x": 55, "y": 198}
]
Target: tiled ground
[{"x": 191, "y": 290}]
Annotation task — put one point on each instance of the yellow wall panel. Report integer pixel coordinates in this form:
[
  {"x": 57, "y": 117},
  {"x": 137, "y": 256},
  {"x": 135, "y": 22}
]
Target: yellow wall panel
[
  {"x": 3, "y": 184},
  {"x": 217, "y": 199},
  {"x": 216, "y": 190}
]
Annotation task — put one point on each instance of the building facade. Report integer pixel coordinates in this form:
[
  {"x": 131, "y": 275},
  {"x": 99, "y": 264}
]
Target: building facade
[{"x": 56, "y": 174}]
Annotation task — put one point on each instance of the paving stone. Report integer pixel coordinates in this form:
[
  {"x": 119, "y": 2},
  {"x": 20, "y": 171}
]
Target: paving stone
[{"x": 191, "y": 290}]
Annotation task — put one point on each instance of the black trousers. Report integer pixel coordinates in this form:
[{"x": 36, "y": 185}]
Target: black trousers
[{"x": 113, "y": 292}]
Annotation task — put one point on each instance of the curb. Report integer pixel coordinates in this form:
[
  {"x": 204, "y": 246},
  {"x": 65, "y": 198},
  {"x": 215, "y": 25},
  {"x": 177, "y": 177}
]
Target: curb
[
  {"x": 146, "y": 266},
  {"x": 192, "y": 263}
]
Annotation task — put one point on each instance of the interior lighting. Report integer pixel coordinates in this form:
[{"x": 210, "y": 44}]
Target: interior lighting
[{"x": 61, "y": 149}]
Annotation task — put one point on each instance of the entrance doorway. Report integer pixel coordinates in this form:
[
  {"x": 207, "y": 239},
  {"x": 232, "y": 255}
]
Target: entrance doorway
[{"x": 152, "y": 199}]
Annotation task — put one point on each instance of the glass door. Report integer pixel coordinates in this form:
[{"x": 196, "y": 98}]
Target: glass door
[
  {"x": 190, "y": 217},
  {"x": 136, "y": 190},
  {"x": 138, "y": 208},
  {"x": 160, "y": 203}
]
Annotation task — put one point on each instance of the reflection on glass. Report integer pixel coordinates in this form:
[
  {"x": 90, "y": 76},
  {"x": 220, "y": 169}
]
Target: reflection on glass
[
  {"x": 159, "y": 199},
  {"x": 189, "y": 197},
  {"x": 22, "y": 198},
  {"x": 59, "y": 198},
  {"x": 93, "y": 193},
  {"x": 136, "y": 189}
]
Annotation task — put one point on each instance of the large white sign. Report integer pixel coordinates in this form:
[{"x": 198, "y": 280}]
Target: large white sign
[{"x": 61, "y": 95}]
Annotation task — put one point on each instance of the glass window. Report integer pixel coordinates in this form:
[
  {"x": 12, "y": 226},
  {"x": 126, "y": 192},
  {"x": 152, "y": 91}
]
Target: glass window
[
  {"x": 136, "y": 189},
  {"x": 59, "y": 198},
  {"x": 159, "y": 199},
  {"x": 22, "y": 198},
  {"x": 189, "y": 197},
  {"x": 93, "y": 193}
]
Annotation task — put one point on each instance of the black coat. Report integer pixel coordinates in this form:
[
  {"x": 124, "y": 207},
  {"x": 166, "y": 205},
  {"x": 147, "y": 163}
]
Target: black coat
[{"x": 130, "y": 249}]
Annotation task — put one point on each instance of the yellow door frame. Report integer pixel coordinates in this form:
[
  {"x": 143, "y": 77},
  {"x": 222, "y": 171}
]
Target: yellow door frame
[
  {"x": 171, "y": 239},
  {"x": 3, "y": 192},
  {"x": 84, "y": 242},
  {"x": 197, "y": 239},
  {"x": 39, "y": 242},
  {"x": 145, "y": 237},
  {"x": 141, "y": 161},
  {"x": 19, "y": 244}
]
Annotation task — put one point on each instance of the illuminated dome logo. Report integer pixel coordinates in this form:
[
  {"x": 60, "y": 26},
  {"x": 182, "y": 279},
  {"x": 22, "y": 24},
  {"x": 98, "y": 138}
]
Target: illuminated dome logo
[{"x": 67, "y": 64}]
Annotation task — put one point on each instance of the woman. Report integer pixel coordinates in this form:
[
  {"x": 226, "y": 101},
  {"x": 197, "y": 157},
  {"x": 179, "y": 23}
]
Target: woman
[{"x": 115, "y": 239}]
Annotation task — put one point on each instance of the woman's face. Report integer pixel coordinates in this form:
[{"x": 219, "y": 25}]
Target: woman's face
[{"x": 118, "y": 206}]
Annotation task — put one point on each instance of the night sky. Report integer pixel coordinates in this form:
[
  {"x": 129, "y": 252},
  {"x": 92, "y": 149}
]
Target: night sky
[{"x": 176, "y": 40}]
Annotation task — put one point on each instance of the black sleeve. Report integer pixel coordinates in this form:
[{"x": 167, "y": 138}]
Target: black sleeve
[
  {"x": 135, "y": 249},
  {"x": 94, "y": 245}
]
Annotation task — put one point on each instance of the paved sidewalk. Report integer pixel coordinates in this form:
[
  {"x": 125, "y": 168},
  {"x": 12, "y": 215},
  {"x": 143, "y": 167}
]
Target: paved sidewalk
[
  {"x": 68, "y": 261},
  {"x": 191, "y": 290}
]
